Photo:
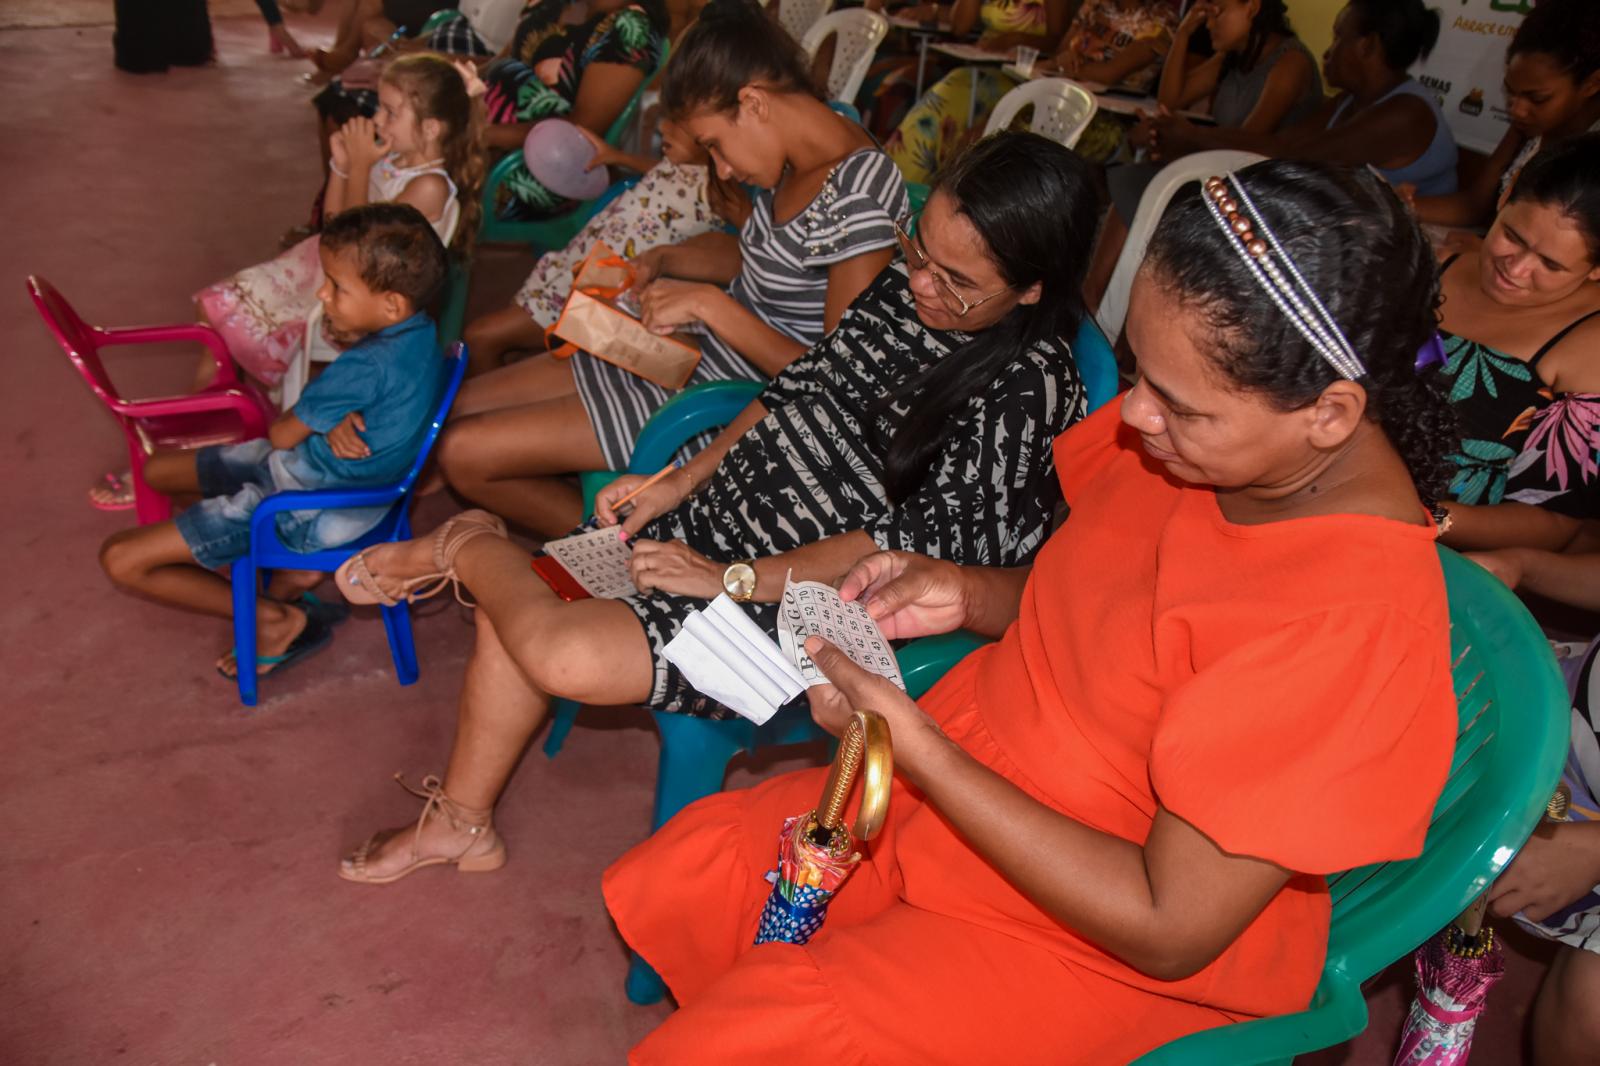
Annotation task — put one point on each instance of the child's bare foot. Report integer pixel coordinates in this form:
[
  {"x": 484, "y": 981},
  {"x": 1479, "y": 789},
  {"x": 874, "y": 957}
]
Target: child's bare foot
[{"x": 446, "y": 833}]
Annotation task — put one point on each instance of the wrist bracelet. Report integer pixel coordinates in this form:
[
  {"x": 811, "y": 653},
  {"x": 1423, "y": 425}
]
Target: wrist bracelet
[{"x": 335, "y": 168}]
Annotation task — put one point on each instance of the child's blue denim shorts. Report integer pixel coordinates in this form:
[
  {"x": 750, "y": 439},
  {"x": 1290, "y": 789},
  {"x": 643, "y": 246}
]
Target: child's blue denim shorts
[{"x": 234, "y": 479}]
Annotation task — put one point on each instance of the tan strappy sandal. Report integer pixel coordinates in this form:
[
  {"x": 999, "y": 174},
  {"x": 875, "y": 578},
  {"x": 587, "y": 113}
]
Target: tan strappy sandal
[
  {"x": 477, "y": 823},
  {"x": 360, "y": 585}
]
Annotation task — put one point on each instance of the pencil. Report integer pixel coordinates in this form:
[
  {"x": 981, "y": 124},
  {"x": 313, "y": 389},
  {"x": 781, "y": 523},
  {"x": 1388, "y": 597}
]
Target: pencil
[{"x": 651, "y": 480}]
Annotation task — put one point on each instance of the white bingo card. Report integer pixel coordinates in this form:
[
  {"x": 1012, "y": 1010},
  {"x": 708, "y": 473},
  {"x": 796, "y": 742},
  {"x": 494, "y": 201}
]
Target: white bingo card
[
  {"x": 811, "y": 608},
  {"x": 597, "y": 560}
]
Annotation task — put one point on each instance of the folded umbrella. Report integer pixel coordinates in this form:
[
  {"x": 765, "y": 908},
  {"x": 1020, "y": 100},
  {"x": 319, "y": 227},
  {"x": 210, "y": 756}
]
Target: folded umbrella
[{"x": 816, "y": 850}]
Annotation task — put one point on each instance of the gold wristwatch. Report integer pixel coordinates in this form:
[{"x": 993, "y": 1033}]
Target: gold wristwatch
[{"x": 739, "y": 581}]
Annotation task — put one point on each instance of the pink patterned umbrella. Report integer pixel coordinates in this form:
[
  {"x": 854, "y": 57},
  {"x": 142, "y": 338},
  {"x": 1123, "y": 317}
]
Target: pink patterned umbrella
[
  {"x": 1454, "y": 974},
  {"x": 1455, "y": 971}
]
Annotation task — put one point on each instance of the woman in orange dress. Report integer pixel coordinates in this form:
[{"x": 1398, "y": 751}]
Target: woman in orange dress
[{"x": 1226, "y": 676}]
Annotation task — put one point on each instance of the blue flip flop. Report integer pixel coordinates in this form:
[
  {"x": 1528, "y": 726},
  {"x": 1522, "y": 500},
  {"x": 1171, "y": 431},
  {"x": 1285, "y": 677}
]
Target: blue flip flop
[{"x": 317, "y": 634}]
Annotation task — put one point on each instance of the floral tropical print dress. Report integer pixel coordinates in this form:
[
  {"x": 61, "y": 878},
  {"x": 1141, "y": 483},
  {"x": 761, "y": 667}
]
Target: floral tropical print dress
[
  {"x": 541, "y": 76},
  {"x": 929, "y": 134},
  {"x": 1520, "y": 440},
  {"x": 1102, "y": 29}
]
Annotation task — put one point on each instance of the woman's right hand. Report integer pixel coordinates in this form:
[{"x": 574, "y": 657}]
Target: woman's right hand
[
  {"x": 339, "y": 151},
  {"x": 649, "y": 505},
  {"x": 604, "y": 154},
  {"x": 647, "y": 267},
  {"x": 908, "y": 595},
  {"x": 1196, "y": 17}
]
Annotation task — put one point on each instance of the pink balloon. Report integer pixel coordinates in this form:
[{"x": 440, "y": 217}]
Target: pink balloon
[{"x": 556, "y": 153}]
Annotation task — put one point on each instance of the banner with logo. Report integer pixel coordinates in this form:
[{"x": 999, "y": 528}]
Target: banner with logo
[{"x": 1467, "y": 68}]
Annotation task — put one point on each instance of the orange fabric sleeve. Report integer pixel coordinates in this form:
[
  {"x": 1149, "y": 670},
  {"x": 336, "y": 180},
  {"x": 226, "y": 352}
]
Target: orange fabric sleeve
[
  {"x": 1319, "y": 746},
  {"x": 1088, "y": 447}
]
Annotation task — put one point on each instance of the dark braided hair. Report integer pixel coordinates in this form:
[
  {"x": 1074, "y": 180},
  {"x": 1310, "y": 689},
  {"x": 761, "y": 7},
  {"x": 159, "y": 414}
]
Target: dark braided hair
[{"x": 1364, "y": 256}]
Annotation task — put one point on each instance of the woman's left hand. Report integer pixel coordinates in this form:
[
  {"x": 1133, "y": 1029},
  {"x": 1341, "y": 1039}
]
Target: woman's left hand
[
  {"x": 1170, "y": 135},
  {"x": 1550, "y": 872},
  {"x": 673, "y": 567},
  {"x": 669, "y": 304},
  {"x": 361, "y": 141},
  {"x": 852, "y": 689}
]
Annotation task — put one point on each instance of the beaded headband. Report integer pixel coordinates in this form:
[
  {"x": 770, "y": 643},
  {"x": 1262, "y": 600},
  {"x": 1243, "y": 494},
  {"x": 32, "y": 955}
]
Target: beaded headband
[{"x": 1277, "y": 275}]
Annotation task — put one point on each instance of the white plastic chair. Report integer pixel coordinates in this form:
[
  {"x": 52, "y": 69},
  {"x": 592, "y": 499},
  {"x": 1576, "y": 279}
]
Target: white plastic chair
[
  {"x": 493, "y": 20},
  {"x": 859, "y": 33},
  {"x": 1114, "y": 305},
  {"x": 1062, "y": 109},
  {"x": 798, "y": 16}
]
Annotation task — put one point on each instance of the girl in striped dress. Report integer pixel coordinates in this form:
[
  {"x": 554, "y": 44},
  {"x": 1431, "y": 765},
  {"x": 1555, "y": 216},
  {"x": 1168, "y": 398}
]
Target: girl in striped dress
[{"x": 822, "y": 227}]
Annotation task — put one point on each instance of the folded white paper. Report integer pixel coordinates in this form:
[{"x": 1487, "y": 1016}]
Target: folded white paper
[{"x": 726, "y": 655}]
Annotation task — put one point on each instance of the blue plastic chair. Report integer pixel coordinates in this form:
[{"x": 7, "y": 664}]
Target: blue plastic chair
[
  {"x": 268, "y": 551},
  {"x": 1514, "y": 718}
]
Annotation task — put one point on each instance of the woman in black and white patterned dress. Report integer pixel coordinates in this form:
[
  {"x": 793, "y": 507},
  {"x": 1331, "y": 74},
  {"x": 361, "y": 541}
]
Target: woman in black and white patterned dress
[
  {"x": 821, "y": 228},
  {"x": 922, "y": 423}
]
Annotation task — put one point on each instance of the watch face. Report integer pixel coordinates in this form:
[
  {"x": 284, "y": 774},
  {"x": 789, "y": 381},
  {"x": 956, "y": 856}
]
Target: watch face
[{"x": 739, "y": 581}]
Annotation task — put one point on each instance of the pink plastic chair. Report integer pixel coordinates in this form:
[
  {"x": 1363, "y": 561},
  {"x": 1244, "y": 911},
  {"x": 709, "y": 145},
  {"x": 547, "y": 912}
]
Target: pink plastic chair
[{"x": 227, "y": 412}]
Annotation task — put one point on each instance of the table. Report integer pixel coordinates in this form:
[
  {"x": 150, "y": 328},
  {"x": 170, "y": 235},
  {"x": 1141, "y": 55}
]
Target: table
[
  {"x": 924, "y": 33},
  {"x": 1108, "y": 99},
  {"x": 971, "y": 53}
]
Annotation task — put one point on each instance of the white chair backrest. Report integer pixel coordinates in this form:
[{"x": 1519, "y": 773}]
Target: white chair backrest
[
  {"x": 859, "y": 33},
  {"x": 798, "y": 16},
  {"x": 1062, "y": 109},
  {"x": 1114, "y": 305},
  {"x": 493, "y": 20}
]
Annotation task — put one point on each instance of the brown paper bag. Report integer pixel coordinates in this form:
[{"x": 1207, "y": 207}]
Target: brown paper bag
[{"x": 592, "y": 322}]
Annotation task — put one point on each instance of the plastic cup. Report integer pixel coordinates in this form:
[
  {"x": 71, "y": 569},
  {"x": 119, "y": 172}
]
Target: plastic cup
[{"x": 1026, "y": 57}]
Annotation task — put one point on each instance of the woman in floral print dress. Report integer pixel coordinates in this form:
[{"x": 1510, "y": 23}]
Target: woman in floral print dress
[
  {"x": 607, "y": 55},
  {"x": 933, "y": 131},
  {"x": 1521, "y": 332}
]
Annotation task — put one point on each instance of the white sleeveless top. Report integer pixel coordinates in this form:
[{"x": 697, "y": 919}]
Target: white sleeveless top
[{"x": 387, "y": 181}]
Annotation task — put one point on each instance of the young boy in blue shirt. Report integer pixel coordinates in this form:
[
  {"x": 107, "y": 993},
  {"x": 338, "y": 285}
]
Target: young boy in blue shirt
[{"x": 360, "y": 422}]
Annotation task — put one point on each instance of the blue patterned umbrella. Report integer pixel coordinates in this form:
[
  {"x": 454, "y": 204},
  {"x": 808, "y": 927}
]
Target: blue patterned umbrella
[{"x": 816, "y": 851}]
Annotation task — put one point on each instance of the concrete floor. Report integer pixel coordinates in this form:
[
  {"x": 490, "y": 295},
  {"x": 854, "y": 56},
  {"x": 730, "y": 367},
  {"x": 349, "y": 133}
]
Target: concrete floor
[{"x": 167, "y": 886}]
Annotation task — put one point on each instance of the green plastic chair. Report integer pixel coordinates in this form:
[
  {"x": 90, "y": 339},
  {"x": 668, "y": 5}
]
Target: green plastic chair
[
  {"x": 551, "y": 233},
  {"x": 1514, "y": 715},
  {"x": 453, "y": 308}
]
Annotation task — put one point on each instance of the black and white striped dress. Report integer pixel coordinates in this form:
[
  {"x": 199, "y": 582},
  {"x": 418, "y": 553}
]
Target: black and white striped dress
[
  {"x": 813, "y": 467},
  {"x": 783, "y": 280}
]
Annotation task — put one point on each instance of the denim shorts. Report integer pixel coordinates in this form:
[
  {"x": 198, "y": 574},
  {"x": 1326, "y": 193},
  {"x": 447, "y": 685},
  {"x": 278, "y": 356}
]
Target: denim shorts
[{"x": 234, "y": 479}]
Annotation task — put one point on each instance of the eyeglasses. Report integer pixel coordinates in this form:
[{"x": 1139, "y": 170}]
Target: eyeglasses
[{"x": 917, "y": 259}]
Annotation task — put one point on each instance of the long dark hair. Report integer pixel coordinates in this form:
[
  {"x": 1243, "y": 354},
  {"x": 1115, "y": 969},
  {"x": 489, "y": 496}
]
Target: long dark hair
[
  {"x": 1363, "y": 254},
  {"x": 1568, "y": 31},
  {"x": 731, "y": 45},
  {"x": 1271, "y": 17},
  {"x": 1034, "y": 204},
  {"x": 1566, "y": 176},
  {"x": 1407, "y": 29}
]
